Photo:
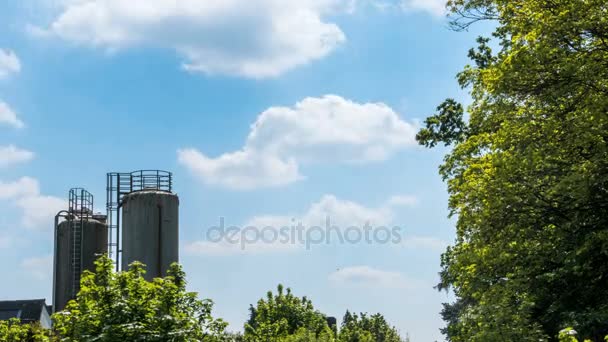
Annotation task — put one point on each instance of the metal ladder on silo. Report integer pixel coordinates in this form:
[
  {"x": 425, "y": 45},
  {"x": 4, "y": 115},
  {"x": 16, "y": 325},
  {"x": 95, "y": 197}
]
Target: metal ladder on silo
[
  {"x": 80, "y": 207},
  {"x": 76, "y": 226},
  {"x": 119, "y": 185}
]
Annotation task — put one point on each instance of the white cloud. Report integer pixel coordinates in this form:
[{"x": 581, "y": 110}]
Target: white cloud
[
  {"x": 11, "y": 155},
  {"x": 224, "y": 248},
  {"x": 434, "y": 7},
  {"x": 368, "y": 277},
  {"x": 246, "y": 169},
  {"x": 341, "y": 214},
  {"x": 326, "y": 129},
  {"x": 24, "y": 187},
  {"x": 9, "y": 63},
  {"x": 37, "y": 210},
  {"x": 8, "y": 116},
  {"x": 255, "y": 38},
  {"x": 39, "y": 267}
]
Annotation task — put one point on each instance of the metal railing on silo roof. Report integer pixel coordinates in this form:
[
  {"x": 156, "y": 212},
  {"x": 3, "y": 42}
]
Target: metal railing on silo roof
[
  {"x": 151, "y": 180},
  {"x": 120, "y": 184},
  {"x": 80, "y": 201}
]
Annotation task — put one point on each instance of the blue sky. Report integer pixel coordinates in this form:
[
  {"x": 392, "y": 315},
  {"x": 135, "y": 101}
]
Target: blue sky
[{"x": 264, "y": 111}]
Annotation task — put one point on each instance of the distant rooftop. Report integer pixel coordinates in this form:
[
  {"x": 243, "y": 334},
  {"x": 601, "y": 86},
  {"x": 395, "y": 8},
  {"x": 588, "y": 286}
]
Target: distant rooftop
[{"x": 28, "y": 311}]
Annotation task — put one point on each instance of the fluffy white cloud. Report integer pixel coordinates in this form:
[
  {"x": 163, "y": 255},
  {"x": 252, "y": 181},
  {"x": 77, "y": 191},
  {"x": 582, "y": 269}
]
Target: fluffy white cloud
[
  {"x": 368, "y": 277},
  {"x": 254, "y": 38},
  {"x": 254, "y": 238},
  {"x": 9, "y": 117},
  {"x": 37, "y": 210},
  {"x": 11, "y": 155},
  {"x": 9, "y": 63},
  {"x": 342, "y": 213},
  {"x": 225, "y": 248},
  {"x": 326, "y": 129},
  {"x": 245, "y": 169},
  {"x": 435, "y": 7},
  {"x": 24, "y": 187},
  {"x": 40, "y": 268}
]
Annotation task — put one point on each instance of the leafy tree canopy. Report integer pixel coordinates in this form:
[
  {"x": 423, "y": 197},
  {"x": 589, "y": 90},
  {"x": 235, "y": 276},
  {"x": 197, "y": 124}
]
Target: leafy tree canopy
[
  {"x": 367, "y": 328},
  {"x": 284, "y": 317},
  {"x": 528, "y": 173},
  {"x": 278, "y": 316},
  {"x": 125, "y": 307},
  {"x": 12, "y": 330}
]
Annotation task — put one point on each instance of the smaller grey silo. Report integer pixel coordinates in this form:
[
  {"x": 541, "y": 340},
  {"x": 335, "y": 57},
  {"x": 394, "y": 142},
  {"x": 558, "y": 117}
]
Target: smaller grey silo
[
  {"x": 70, "y": 263},
  {"x": 150, "y": 231},
  {"x": 79, "y": 240}
]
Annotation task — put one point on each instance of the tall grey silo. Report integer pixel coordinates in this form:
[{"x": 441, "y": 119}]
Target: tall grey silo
[
  {"x": 79, "y": 240},
  {"x": 146, "y": 220}
]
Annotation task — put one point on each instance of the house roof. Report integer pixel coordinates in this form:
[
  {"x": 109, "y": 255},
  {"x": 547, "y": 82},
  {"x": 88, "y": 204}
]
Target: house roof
[{"x": 27, "y": 310}]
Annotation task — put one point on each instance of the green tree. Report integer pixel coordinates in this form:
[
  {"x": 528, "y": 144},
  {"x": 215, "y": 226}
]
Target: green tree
[
  {"x": 306, "y": 335},
  {"x": 13, "y": 330},
  {"x": 528, "y": 173},
  {"x": 125, "y": 307},
  {"x": 282, "y": 315},
  {"x": 367, "y": 328}
]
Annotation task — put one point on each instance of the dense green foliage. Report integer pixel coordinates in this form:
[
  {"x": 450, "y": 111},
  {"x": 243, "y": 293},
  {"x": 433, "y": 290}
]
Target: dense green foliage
[
  {"x": 528, "y": 173},
  {"x": 281, "y": 315},
  {"x": 569, "y": 335},
  {"x": 12, "y": 330},
  {"x": 286, "y": 318},
  {"x": 366, "y": 328},
  {"x": 305, "y": 335},
  {"x": 125, "y": 307}
]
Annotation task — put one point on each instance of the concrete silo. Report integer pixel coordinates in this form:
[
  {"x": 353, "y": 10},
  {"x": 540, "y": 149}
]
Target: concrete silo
[
  {"x": 144, "y": 213},
  {"x": 79, "y": 240}
]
